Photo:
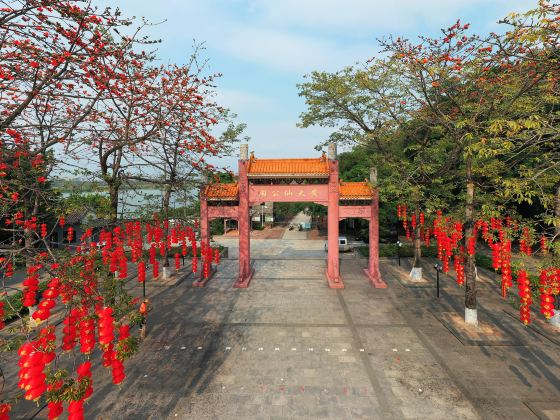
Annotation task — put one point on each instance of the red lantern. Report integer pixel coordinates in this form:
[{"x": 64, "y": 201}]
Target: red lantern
[
  {"x": 69, "y": 330},
  {"x": 524, "y": 296},
  {"x": 86, "y": 329},
  {"x": 108, "y": 355},
  {"x": 5, "y": 409},
  {"x": 155, "y": 269},
  {"x": 177, "y": 261},
  {"x": 506, "y": 266},
  {"x": 194, "y": 264},
  {"x": 76, "y": 410},
  {"x": 544, "y": 245},
  {"x": 117, "y": 370},
  {"x": 55, "y": 409},
  {"x": 70, "y": 234},
  {"x": 43, "y": 230},
  {"x": 459, "y": 269},
  {"x": 84, "y": 372},
  {"x": 141, "y": 272},
  {"x": 105, "y": 326},
  {"x": 32, "y": 378},
  {"x": 546, "y": 289},
  {"x": 471, "y": 243}
]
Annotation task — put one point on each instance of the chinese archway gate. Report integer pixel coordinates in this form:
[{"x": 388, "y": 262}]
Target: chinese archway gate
[{"x": 294, "y": 180}]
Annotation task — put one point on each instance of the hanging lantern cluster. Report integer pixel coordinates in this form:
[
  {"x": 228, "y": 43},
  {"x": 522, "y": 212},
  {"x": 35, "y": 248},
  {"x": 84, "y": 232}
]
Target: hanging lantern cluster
[
  {"x": 207, "y": 257},
  {"x": 525, "y": 297},
  {"x": 544, "y": 245},
  {"x": 117, "y": 365},
  {"x": 84, "y": 375},
  {"x": 69, "y": 330},
  {"x": 525, "y": 242},
  {"x": 89, "y": 321},
  {"x": 86, "y": 331},
  {"x": 506, "y": 266},
  {"x": 194, "y": 263},
  {"x": 141, "y": 272},
  {"x": 49, "y": 295},
  {"x": 31, "y": 285},
  {"x": 410, "y": 227},
  {"x": 549, "y": 287},
  {"x": 459, "y": 265},
  {"x": 70, "y": 234},
  {"x": 447, "y": 236},
  {"x": 105, "y": 326},
  {"x": 32, "y": 364}
]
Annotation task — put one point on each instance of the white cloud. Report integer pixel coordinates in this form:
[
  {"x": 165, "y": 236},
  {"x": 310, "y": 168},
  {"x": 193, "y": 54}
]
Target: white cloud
[
  {"x": 282, "y": 50},
  {"x": 242, "y": 102},
  {"x": 362, "y": 15}
]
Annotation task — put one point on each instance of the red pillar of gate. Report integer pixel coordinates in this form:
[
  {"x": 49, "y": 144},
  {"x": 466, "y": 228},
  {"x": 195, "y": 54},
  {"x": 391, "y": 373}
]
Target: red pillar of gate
[
  {"x": 333, "y": 266},
  {"x": 245, "y": 269},
  {"x": 372, "y": 271}
]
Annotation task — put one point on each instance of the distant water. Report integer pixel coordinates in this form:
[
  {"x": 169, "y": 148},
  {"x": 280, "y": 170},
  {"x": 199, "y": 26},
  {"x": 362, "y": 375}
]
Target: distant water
[{"x": 132, "y": 202}]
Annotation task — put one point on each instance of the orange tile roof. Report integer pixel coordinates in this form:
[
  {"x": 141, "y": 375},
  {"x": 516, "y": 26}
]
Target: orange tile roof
[
  {"x": 355, "y": 190},
  {"x": 288, "y": 168},
  {"x": 224, "y": 192}
]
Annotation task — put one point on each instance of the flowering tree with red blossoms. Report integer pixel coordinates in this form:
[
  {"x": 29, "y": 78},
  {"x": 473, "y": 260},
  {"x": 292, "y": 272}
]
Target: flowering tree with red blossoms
[
  {"x": 463, "y": 85},
  {"x": 70, "y": 84}
]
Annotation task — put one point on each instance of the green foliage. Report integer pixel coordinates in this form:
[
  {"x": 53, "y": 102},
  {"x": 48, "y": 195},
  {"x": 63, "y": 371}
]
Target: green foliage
[{"x": 97, "y": 203}]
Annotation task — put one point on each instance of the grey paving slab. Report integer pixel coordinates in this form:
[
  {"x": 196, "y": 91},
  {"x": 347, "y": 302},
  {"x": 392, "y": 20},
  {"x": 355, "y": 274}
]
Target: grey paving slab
[{"x": 290, "y": 347}]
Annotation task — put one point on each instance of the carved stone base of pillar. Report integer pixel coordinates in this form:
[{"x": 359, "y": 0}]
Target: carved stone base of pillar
[
  {"x": 334, "y": 283},
  {"x": 375, "y": 279},
  {"x": 202, "y": 282},
  {"x": 243, "y": 283}
]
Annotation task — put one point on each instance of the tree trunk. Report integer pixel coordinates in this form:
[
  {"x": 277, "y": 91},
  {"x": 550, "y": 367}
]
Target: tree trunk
[
  {"x": 416, "y": 272},
  {"x": 114, "y": 201},
  {"x": 470, "y": 267}
]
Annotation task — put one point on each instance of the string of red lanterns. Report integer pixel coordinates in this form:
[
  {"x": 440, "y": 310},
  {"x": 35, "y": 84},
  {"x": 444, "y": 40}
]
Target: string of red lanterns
[{"x": 498, "y": 235}]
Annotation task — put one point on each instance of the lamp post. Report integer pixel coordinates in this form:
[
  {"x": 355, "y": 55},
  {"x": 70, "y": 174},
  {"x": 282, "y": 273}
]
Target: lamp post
[
  {"x": 438, "y": 270},
  {"x": 399, "y": 244}
]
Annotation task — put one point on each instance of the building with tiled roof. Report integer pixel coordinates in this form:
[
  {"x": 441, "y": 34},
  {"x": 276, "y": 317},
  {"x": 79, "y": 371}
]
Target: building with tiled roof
[
  {"x": 288, "y": 168},
  {"x": 222, "y": 192},
  {"x": 355, "y": 190}
]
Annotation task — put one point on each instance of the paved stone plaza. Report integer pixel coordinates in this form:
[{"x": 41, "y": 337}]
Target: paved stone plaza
[{"x": 289, "y": 347}]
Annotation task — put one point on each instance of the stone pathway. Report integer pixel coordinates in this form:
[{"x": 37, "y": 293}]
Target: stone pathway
[
  {"x": 295, "y": 233},
  {"x": 289, "y": 347}
]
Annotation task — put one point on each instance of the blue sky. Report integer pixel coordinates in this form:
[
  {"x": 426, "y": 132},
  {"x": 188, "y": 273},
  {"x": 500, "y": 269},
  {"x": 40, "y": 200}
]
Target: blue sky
[{"x": 264, "y": 47}]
